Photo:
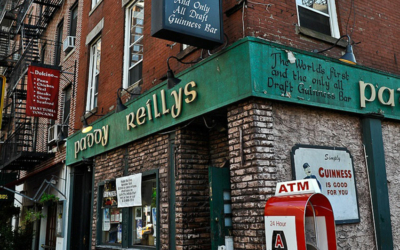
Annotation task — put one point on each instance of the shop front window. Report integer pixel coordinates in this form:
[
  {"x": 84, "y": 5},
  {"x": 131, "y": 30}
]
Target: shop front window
[
  {"x": 115, "y": 197},
  {"x": 112, "y": 216},
  {"x": 144, "y": 218}
]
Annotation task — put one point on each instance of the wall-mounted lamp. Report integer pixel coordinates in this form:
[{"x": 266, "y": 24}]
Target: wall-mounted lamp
[
  {"x": 86, "y": 127},
  {"x": 134, "y": 93},
  {"x": 171, "y": 79},
  {"x": 348, "y": 57}
]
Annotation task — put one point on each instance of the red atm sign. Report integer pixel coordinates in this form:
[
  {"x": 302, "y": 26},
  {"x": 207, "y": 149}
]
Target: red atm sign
[{"x": 297, "y": 187}]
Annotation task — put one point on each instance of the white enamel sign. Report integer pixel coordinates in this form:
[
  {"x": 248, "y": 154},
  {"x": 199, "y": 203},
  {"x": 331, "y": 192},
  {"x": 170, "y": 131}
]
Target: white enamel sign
[{"x": 333, "y": 170}]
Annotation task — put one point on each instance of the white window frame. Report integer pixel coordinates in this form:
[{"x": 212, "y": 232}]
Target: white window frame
[
  {"x": 95, "y": 3},
  {"x": 333, "y": 21},
  {"x": 91, "y": 100},
  {"x": 127, "y": 46}
]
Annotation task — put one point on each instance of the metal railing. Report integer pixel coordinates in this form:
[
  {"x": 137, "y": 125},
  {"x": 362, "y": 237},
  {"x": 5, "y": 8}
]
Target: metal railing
[{"x": 28, "y": 138}]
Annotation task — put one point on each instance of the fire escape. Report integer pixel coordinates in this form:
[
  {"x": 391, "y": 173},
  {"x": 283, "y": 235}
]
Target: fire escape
[{"x": 23, "y": 138}]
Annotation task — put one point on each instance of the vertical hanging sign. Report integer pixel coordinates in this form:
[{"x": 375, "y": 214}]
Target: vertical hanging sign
[
  {"x": 194, "y": 22},
  {"x": 42, "y": 93}
]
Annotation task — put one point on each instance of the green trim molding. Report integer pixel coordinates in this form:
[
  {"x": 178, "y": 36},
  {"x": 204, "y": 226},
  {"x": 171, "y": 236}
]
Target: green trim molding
[{"x": 249, "y": 67}]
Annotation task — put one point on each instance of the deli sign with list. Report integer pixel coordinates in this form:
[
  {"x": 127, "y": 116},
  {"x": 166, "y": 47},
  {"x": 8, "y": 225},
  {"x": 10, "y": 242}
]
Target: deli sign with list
[
  {"x": 192, "y": 22},
  {"x": 42, "y": 92}
]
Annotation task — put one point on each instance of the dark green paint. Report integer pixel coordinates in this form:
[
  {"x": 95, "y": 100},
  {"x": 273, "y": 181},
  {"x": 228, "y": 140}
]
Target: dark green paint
[
  {"x": 372, "y": 138},
  {"x": 219, "y": 180},
  {"x": 242, "y": 70}
]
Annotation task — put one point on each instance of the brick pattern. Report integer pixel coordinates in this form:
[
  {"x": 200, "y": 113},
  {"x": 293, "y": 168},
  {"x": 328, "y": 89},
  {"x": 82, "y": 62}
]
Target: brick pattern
[
  {"x": 192, "y": 192},
  {"x": 253, "y": 172}
]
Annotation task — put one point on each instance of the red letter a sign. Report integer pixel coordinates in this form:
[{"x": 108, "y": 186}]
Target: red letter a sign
[{"x": 279, "y": 241}]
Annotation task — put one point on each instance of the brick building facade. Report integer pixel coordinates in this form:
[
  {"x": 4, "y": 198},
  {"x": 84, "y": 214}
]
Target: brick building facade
[
  {"x": 252, "y": 134},
  {"x": 209, "y": 152}
]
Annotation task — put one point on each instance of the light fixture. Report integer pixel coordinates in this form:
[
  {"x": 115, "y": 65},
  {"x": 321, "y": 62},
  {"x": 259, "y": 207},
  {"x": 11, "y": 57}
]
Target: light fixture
[
  {"x": 135, "y": 93},
  {"x": 86, "y": 127},
  {"x": 171, "y": 79},
  {"x": 348, "y": 57}
]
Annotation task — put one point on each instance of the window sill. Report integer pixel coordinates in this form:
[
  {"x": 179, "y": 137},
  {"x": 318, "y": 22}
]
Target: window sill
[
  {"x": 69, "y": 54},
  {"x": 320, "y": 36},
  {"x": 95, "y": 7},
  {"x": 184, "y": 53},
  {"x": 90, "y": 113}
]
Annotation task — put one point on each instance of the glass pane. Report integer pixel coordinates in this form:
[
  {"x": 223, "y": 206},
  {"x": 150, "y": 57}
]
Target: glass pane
[
  {"x": 227, "y": 209},
  {"x": 319, "y": 5},
  {"x": 227, "y": 196},
  {"x": 144, "y": 218},
  {"x": 228, "y": 222},
  {"x": 135, "y": 74},
  {"x": 314, "y": 21},
  {"x": 98, "y": 53},
  {"x": 111, "y": 215}
]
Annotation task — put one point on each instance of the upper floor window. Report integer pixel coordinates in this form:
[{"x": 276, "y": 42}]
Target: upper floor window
[
  {"x": 94, "y": 71},
  {"x": 95, "y": 2},
  {"x": 318, "y": 15},
  {"x": 73, "y": 20},
  {"x": 59, "y": 43},
  {"x": 133, "y": 43}
]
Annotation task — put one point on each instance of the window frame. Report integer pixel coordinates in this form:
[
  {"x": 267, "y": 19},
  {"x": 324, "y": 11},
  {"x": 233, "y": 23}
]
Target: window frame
[
  {"x": 127, "y": 228},
  {"x": 73, "y": 8},
  {"x": 59, "y": 43},
  {"x": 95, "y": 3},
  {"x": 128, "y": 45},
  {"x": 92, "y": 94},
  {"x": 332, "y": 15}
]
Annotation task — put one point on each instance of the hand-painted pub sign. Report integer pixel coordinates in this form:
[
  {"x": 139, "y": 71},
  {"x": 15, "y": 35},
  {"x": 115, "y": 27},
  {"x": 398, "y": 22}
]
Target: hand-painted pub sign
[
  {"x": 193, "y": 22},
  {"x": 42, "y": 92},
  {"x": 333, "y": 170}
]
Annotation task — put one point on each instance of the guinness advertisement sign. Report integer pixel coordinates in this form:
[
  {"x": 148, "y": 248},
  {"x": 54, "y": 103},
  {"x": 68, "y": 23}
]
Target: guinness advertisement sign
[{"x": 193, "y": 22}]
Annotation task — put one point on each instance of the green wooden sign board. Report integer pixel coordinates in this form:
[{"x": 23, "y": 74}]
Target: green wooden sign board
[{"x": 250, "y": 67}]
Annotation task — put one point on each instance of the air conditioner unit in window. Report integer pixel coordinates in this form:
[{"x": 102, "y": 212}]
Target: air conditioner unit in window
[
  {"x": 53, "y": 133},
  {"x": 69, "y": 43}
]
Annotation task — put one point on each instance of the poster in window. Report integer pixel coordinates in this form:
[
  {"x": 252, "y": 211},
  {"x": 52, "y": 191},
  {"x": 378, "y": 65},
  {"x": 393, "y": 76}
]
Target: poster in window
[
  {"x": 129, "y": 191},
  {"x": 333, "y": 169},
  {"x": 106, "y": 219}
]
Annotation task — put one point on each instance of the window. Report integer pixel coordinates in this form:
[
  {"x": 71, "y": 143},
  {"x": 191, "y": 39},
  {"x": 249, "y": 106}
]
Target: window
[
  {"x": 94, "y": 71},
  {"x": 73, "y": 20},
  {"x": 59, "y": 43},
  {"x": 318, "y": 15},
  {"x": 111, "y": 215},
  {"x": 143, "y": 218},
  {"x": 95, "y": 2},
  {"x": 133, "y": 43},
  {"x": 142, "y": 226}
]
